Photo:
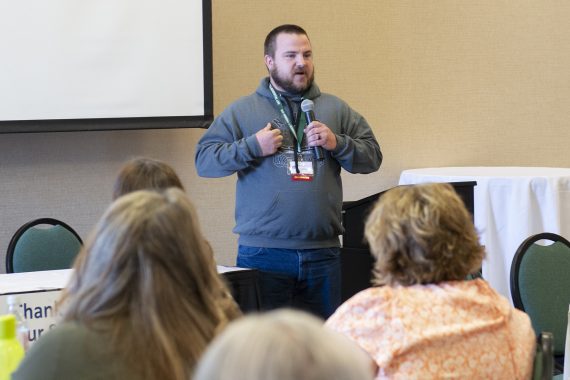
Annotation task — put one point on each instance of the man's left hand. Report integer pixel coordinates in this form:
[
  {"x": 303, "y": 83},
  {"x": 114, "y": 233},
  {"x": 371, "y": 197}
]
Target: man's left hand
[{"x": 318, "y": 134}]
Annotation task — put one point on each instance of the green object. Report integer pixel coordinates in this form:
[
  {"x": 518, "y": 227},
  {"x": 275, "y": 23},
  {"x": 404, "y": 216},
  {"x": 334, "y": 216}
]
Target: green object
[
  {"x": 541, "y": 287},
  {"x": 72, "y": 351},
  {"x": 42, "y": 244},
  {"x": 11, "y": 351}
]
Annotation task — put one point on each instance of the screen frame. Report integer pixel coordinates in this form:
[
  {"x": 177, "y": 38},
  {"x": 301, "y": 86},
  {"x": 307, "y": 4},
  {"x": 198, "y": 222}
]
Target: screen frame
[{"x": 134, "y": 123}]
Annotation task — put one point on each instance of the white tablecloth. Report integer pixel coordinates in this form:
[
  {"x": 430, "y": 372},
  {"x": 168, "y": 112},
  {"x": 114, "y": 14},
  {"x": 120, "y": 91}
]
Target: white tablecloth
[
  {"x": 511, "y": 203},
  {"x": 27, "y": 282},
  {"x": 39, "y": 291}
]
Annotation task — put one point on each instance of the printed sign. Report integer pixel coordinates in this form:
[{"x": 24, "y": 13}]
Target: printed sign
[{"x": 37, "y": 308}]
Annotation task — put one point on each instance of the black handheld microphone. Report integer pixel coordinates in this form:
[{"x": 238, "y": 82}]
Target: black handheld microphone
[{"x": 307, "y": 106}]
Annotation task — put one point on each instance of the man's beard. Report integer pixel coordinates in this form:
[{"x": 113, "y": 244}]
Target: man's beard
[{"x": 288, "y": 84}]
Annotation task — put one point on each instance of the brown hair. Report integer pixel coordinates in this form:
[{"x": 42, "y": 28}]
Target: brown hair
[
  {"x": 147, "y": 277},
  {"x": 422, "y": 234},
  {"x": 145, "y": 174},
  {"x": 269, "y": 44}
]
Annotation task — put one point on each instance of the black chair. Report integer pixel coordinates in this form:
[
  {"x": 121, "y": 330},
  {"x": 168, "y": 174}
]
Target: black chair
[
  {"x": 42, "y": 244},
  {"x": 540, "y": 286}
]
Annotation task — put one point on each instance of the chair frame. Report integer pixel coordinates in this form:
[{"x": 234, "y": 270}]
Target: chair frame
[
  {"x": 544, "y": 348},
  {"x": 517, "y": 259},
  {"x": 23, "y": 229}
]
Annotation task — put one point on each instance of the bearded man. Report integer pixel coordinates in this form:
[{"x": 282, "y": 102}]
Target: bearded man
[{"x": 289, "y": 189}]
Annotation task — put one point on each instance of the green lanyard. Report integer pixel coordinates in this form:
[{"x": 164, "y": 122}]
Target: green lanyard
[{"x": 302, "y": 120}]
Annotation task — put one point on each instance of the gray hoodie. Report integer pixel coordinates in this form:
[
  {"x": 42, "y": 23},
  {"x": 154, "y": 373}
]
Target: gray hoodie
[{"x": 272, "y": 210}]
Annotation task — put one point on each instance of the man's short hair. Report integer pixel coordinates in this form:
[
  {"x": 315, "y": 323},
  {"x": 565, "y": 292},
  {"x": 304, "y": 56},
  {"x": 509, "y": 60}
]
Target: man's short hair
[{"x": 269, "y": 45}]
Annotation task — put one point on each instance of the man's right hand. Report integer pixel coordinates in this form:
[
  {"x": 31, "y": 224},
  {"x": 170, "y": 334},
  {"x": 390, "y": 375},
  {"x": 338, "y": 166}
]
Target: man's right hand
[{"x": 269, "y": 140}]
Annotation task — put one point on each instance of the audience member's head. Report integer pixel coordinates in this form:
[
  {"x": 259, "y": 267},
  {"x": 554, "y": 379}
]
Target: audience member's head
[
  {"x": 147, "y": 276},
  {"x": 145, "y": 174},
  {"x": 422, "y": 234},
  {"x": 282, "y": 345},
  {"x": 427, "y": 321}
]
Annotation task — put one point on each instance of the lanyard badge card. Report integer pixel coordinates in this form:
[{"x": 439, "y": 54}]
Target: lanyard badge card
[
  {"x": 298, "y": 167},
  {"x": 305, "y": 172}
]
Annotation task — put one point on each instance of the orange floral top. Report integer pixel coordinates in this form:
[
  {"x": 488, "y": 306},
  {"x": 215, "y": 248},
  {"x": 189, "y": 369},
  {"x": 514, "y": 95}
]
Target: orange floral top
[{"x": 450, "y": 330}]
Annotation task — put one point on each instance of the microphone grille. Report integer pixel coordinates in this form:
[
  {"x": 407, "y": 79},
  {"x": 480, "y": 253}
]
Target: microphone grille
[{"x": 307, "y": 105}]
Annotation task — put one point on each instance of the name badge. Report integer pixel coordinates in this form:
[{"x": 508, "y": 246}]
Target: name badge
[{"x": 306, "y": 171}]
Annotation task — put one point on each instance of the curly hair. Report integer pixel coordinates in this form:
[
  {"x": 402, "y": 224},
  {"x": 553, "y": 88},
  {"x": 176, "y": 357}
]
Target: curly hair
[{"x": 420, "y": 235}]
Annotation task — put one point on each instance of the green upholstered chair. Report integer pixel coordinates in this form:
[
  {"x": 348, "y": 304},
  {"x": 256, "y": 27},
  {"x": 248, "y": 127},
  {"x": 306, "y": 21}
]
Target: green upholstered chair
[
  {"x": 540, "y": 286},
  {"x": 42, "y": 244}
]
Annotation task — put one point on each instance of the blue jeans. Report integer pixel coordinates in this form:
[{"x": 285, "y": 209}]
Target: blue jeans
[{"x": 307, "y": 279}]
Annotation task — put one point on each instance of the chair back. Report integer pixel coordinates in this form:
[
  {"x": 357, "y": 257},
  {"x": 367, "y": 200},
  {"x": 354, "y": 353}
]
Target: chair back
[
  {"x": 540, "y": 284},
  {"x": 42, "y": 244}
]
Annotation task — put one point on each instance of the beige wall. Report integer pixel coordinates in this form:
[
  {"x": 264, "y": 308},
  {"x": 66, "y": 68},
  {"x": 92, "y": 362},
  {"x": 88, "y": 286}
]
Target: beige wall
[{"x": 443, "y": 83}]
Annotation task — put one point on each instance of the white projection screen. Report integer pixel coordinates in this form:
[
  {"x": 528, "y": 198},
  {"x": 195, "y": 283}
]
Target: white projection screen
[{"x": 72, "y": 65}]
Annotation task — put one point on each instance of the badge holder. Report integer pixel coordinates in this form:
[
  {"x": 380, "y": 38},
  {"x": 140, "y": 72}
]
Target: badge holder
[{"x": 305, "y": 165}]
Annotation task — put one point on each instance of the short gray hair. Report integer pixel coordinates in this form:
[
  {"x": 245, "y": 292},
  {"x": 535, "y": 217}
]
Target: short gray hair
[{"x": 283, "y": 345}]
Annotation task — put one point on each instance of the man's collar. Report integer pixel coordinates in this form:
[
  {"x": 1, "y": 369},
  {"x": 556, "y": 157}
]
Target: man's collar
[{"x": 292, "y": 97}]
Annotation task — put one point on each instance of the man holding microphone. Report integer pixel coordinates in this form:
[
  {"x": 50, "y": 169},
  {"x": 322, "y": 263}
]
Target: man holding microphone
[{"x": 289, "y": 189}]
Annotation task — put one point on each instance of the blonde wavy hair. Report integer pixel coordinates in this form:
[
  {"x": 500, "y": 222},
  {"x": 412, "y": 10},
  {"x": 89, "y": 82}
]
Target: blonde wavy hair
[
  {"x": 147, "y": 278},
  {"x": 420, "y": 235}
]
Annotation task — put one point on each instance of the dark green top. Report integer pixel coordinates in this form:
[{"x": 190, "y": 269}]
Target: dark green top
[{"x": 72, "y": 351}]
